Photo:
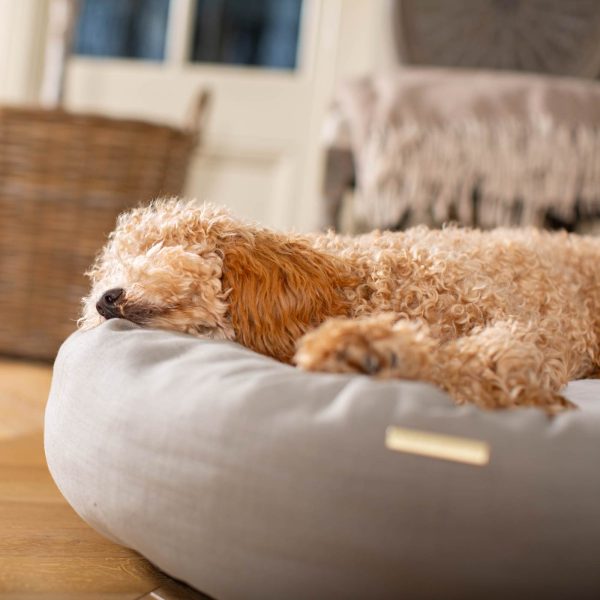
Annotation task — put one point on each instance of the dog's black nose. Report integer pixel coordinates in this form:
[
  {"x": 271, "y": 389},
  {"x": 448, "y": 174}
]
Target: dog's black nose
[
  {"x": 109, "y": 298},
  {"x": 107, "y": 305}
]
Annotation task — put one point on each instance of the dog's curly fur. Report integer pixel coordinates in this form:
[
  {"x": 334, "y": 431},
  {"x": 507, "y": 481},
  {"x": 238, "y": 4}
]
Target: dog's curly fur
[{"x": 499, "y": 319}]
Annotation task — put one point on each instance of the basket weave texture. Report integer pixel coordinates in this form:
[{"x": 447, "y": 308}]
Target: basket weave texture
[{"x": 64, "y": 178}]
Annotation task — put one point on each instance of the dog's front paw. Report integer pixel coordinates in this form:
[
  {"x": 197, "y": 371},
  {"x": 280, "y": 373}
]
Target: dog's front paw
[
  {"x": 551, "y": 402},
  {"x": 344, "y": 346},
  {"x": 372, "y": 346}
]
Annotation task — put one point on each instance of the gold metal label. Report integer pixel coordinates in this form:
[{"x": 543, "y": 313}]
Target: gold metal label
[{"x": 436, "y": 445}]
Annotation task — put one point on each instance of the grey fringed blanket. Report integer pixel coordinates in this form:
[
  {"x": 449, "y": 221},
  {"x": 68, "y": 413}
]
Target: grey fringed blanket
[{"x": 432, "y": 140}]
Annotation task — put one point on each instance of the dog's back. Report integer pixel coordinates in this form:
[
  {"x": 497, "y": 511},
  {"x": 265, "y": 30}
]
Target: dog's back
[{"x": 458, "y": 278}]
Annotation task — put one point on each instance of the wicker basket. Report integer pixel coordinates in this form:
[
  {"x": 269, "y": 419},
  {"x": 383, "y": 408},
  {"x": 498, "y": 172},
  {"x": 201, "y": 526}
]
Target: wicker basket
[{"x": 63, "y": 180}]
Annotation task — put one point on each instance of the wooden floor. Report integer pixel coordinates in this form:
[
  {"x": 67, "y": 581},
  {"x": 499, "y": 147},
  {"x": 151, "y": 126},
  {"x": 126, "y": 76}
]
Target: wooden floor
[{"x": 46, "y": 550}]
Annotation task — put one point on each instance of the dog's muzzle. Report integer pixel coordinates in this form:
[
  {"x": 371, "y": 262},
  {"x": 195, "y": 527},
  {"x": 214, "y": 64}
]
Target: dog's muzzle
[{"x": 108, "y": 305}]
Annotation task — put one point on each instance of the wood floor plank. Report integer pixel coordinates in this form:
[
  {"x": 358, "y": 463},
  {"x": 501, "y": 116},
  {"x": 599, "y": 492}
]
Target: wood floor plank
[
  {"x": 22, "y": 483},
  {"x": 77, "y": 574},
  {"x": 26, "y": 449},
  {"x": 23, "y": 392},
  {"x": 71, "y": 596},
  {"x": 47, "y": 552}
]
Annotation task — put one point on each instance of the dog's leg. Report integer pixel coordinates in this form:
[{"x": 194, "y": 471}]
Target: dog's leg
[
  {"x": 499, "y": 366},
  {"x": 503, "y": 365}
]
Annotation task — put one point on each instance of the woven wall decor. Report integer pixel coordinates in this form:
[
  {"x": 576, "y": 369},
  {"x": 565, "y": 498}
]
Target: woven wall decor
[{"x": 560, "y": 37}]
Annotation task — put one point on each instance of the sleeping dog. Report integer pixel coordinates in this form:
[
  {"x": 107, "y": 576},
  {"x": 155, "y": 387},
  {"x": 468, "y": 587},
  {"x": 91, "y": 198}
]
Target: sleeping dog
[{"x": 500, "y": 319}]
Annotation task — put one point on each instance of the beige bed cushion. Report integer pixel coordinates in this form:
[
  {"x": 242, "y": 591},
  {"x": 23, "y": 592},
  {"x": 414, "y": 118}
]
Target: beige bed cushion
[{"x": 249, "y": 479}]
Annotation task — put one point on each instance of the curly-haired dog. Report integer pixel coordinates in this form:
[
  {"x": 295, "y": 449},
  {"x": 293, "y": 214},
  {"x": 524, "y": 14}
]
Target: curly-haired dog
[{"x": 500, "y": 319}]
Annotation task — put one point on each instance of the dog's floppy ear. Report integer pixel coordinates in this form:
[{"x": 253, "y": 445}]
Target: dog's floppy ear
[{"x": 279, "y": 289}]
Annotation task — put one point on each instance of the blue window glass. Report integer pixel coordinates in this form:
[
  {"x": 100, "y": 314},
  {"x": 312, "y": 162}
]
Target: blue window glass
[
  {"x": 122, "y": 28},
  {"x": 261, "y": 33}
]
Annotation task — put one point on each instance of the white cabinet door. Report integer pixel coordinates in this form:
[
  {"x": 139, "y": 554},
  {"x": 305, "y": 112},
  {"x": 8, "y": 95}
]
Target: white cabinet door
[{"x": 261, "y": 153}]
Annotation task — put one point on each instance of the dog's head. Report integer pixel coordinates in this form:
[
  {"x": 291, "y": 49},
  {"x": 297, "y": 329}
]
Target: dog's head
[
  {"x": 195, "y": 269},
  {"x": 162, "y": 268}
]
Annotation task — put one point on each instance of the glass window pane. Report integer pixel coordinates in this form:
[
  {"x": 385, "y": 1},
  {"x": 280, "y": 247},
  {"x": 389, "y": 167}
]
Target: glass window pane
[
  {"x": 261, "y": 33},
  {"x": 122, "y": 28}
]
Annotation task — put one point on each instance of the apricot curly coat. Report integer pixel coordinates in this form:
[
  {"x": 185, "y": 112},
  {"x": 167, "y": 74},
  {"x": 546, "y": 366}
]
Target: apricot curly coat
[{"x": 499, "y": 319}]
